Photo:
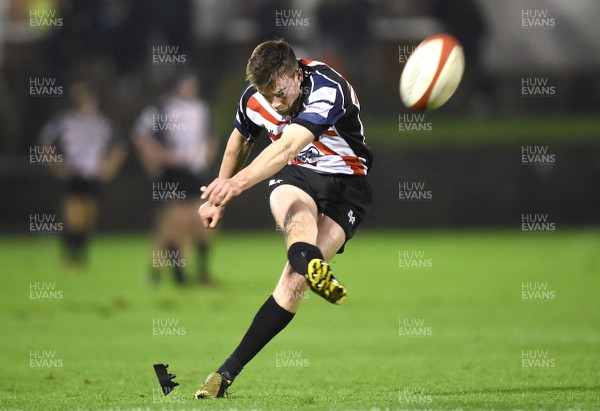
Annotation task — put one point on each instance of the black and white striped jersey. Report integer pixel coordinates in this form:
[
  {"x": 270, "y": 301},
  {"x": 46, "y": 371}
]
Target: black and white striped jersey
[{"x": 329, "y": 109}]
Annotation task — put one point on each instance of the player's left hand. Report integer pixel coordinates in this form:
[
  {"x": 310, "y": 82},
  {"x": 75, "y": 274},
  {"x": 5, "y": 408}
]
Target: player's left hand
[
  {"x": 210, "y": 215},
  {"x": 221, "y": 191}
]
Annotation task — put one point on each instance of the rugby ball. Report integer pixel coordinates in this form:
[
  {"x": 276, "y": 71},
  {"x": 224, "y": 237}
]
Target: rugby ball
[{"x": 432, "y": 72}]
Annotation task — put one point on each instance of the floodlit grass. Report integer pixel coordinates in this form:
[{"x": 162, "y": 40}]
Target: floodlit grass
[{"x": 98, "y": 335}]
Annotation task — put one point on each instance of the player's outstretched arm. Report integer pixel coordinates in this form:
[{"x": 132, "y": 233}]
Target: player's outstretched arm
[
  {"x": 236, "y": 154},
  {"x": 273, "y": 158},
  {"x": 268, "y": 162}
]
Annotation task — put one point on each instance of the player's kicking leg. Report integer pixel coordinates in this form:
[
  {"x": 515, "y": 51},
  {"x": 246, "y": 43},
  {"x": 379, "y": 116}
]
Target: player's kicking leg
[
  {"x": 296, "y": 213},
  {"x": 298, "y": 226}
]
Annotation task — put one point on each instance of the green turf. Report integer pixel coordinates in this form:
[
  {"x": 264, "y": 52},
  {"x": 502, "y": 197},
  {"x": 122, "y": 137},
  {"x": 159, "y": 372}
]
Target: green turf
[
  {"x": 455, "y": 130},
  {"x": 350, "y": 357}
]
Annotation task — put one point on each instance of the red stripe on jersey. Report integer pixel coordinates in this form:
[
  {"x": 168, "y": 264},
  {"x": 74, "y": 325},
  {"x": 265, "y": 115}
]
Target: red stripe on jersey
[
  {"x": 331, "y": 133},
  {"x": 324, "y": 149},
  {"x": 356, "y": 166},
  {"x": 306, "y": 62},
  {"x": 351, "y": 161},
  {"x": 255, "y": 105}
]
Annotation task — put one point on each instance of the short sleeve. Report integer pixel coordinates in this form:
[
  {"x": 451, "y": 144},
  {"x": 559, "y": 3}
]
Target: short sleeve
[
  {"x": 242, "y": 123},
  {"x": 324, "y": 107},
  {"x": 51, "y": 132},
  {"x": 144, "y": 123}
]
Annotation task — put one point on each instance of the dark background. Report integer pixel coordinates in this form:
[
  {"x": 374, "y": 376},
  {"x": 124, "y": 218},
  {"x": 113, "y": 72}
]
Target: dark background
[{"x": 471, "y": 164}]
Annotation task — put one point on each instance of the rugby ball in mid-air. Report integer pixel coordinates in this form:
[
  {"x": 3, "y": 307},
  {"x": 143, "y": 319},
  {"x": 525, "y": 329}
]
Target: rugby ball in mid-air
[{"x": 432, "y": 72}]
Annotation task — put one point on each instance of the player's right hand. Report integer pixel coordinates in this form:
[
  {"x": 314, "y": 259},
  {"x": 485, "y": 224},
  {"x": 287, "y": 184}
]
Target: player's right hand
[{"x": 210, "y": 214}]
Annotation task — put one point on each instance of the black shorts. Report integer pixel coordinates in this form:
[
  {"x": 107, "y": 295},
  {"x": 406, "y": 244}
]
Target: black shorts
[
  {"x": 187, "y": 182},
  {"x": 83, "y": 187},
  {"x": 343, "y": 198}
]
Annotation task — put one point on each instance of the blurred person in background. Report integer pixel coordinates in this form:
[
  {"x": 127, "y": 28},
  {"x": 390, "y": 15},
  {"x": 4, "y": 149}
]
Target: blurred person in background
[
  {"x": 92, "y": 155},
  {"x": 343, "y": 44},
  {"x": 28, "y": 50},
  {"x": 465, "y": 20},
  {"x": 176, "y": 146}
]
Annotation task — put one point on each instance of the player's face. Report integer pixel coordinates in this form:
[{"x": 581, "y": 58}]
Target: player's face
[{"x": 285, "y": 93}]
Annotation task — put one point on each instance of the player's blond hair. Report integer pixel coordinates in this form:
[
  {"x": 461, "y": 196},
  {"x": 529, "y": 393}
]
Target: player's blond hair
[{"x": 269, "y": 61}]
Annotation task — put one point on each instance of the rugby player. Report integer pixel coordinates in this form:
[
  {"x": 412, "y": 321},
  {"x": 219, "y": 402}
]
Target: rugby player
[
  {"x": 175, "y": 143},
  {"x": 316, "y": 166},
  {"x": 93, "y": 154}
]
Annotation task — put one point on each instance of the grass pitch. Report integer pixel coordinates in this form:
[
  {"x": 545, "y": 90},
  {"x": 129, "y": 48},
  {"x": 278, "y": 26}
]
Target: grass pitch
[{"x": 434, "y": 320}]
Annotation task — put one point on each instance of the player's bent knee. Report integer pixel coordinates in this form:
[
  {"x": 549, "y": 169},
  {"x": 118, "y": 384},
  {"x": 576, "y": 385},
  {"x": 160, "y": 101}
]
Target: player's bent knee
[{"x": 295, "y": 214}]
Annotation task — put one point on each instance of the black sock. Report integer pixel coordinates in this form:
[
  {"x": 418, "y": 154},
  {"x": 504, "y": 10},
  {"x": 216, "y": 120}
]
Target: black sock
[
  {"x": 202, "y": 262},
  {"x": 75, "y": 244},
  {"x": 174, "y": 255},
  {"x": 300, "y": 254},
  {"x": 270, "y": 319}
]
